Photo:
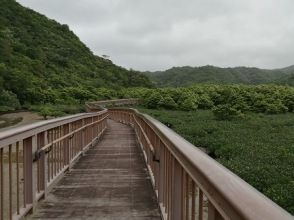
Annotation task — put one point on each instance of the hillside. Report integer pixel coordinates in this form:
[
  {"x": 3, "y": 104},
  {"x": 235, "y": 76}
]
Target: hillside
[
  {"x": 42, "y": 61},
  {"x": 186, "y": 76},
  {"x": 289, "y": 69}
]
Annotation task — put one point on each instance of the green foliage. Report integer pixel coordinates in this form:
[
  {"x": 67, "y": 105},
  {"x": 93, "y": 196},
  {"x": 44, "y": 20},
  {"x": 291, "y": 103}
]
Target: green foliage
[
  {"x": 45, "y": 111},
  {"x": 152, "y": 101},
  {"x": 42, "y": 61},
  {"x": 226, "y": 112},
  {"x": 49, "y": 110},
  {"x": 167, "y": 102},
  {"x": 228, "y": 101},
  {"x": 188, "y": 104},
  {"x": 205, "y": 102},
  {"x": 8, "y": 101},
  {"x": 258, "y": 148},
  {"x": 187, "y": 76}
]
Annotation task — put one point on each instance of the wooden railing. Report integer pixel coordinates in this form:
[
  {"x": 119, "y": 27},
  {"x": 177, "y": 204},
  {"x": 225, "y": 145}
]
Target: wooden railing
[
  {"x": 33, "y": 157},
  {"x": 191, "y": 185},
  {"x": 100, "y": 105}
]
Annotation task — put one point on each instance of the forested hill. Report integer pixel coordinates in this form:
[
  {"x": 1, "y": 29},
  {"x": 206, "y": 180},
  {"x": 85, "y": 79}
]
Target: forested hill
[
  {"x": 42, "y": 61},
  {"x": 185, "y": 76}
]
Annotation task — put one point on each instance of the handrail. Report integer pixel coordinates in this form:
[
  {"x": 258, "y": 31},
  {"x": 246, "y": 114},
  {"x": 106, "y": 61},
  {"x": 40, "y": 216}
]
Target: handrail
[
  {"x": 182, "y": 168},
  {"x": 8, "y": 136},
  {"x": 100, "y": 105},
  {"x": 189, "y": 184},
  {"x": 114, "y": 101},
  {"x": 72, "y": 133},
  {"x": 40, "y": 153}
]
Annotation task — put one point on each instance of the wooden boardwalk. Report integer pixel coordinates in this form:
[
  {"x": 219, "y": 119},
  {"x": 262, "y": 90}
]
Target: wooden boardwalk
[{"x": 109, "y": 182}]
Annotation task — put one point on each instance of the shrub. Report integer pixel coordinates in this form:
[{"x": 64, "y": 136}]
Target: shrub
[
  {"x": 167, "y": 102},
  {"x": 45, "y": 111},
  {"x": 226, "y": 112},
  {"x": 152, "y": 100},
  {"x": 8, "y": 101},
  {"x": 205, "y": 102},
  {"x": 49, "y": 110},
  {"x": 189, "y": 104}
]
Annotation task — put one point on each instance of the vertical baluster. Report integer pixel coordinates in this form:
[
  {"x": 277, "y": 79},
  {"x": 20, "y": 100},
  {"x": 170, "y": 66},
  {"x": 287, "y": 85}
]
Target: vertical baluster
[
  {"x": 74, "y": 141},
  {"x": 53, "y": 160},
  {"x": 66, "y": 145},
  {"x": 60, "y": 148},
  {"x": 38, "y": 162},
  {"x": 17, "y": 178},
  {"x": 165, "y": 178},
  {"x": 183, "y": 194},
  {"x": 48, "y": 166},
  {"x": 200, "y": 204},
  {"x": 168, "y": 184},
  {"x": 55, "y": 152},
  {"x": 81, "y": 134},
  {"x": 161, "y": 172},
  {"x": 193, "y": 201},
  {"x": 28, "y": 170},
  {"x": 177, "y": 191},
  {"x": 211, "y": 211},
  {"x": 69, "y": 143},
  {"x": 42, "y": 161},
  {"x": 24, "y": 182},
  {"x": 213, "y": 214},
  {"x": 10, "y": 182},
  {"x": 1, "y": 186},
  {"x": 51, "y": 154},
  {"x": 171, "y": 167},
  {"x": 187, "y": 195}
]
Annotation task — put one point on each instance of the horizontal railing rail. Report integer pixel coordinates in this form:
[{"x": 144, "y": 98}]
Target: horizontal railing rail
[
  {"x": 191, "y": 185},
  {"x": 100, "y": 105},
  {"x": 33, "y": 157}
]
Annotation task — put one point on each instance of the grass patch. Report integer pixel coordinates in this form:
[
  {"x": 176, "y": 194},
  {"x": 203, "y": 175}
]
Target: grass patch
[{"x": 259, "y": 148}]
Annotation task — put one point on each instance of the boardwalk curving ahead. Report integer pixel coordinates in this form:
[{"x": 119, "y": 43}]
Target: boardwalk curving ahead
[{"x": 110, "y": 181}]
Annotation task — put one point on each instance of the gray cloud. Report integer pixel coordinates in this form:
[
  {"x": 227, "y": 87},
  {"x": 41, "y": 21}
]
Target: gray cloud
[{"x": 155, "y": 35}]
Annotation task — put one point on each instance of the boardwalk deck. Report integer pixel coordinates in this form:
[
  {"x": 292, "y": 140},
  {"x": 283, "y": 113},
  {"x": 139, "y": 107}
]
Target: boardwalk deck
[{"x": 109, "y": 182}]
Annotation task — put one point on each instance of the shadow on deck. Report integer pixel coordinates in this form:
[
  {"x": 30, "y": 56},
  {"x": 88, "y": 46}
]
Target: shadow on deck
[{"x": 110, "y": 181}]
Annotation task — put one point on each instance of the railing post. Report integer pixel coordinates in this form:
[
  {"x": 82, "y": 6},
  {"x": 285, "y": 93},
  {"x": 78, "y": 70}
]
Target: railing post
[
  {"x": 42, "y": 141},
  {"x": 177, "y": 194},
  {"x": 213, "y": 214},
  {"x": 66, "y": 130},
  {"x": 28, "y": 170},
  {"x": 92, "y": 130},
  {"x": 83, "y": 135},
  {"x": 161, "y": 173},
  {"x": 157, "y": 160}
]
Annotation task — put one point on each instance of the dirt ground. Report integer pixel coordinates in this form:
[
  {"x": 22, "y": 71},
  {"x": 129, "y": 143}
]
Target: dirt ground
[{"x": 27, "y": 118}]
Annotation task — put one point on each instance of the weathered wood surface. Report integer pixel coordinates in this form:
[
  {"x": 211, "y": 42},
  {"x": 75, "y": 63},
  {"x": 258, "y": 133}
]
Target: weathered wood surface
[{"x": 109, "y": 182}]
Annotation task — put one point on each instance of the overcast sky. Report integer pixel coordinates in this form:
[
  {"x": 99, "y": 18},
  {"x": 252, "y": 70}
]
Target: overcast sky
[{"x": 160, "y": 34}]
